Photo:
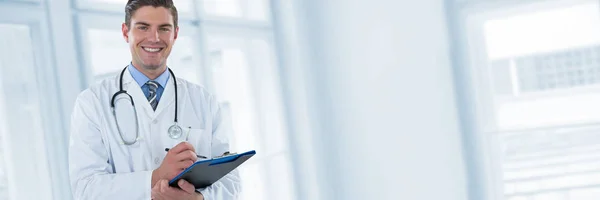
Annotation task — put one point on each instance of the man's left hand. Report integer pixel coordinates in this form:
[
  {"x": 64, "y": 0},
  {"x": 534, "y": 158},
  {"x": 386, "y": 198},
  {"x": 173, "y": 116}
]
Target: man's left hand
[{"x": 162, "y": 191}]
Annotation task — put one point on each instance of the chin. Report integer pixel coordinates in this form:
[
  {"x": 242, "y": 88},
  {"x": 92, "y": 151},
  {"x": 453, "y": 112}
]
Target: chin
[{"x": 152, "y": 66}]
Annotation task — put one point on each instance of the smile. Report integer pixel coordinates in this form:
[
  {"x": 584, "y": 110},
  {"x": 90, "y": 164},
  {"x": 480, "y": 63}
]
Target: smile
[{"x": 152, "y": 50}]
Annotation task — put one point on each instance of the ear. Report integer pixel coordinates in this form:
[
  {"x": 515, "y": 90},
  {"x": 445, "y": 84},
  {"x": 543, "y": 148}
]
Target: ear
[
  {"x": 176, "y": 32},
  {"x": 125, "y": 31}
]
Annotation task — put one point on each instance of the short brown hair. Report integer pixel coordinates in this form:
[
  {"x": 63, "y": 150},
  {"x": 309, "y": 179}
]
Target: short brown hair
[{"x": 134, "y": 5}]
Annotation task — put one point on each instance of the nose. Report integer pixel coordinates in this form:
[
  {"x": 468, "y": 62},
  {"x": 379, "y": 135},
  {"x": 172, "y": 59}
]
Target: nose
[{"x": 153, "y": 36}]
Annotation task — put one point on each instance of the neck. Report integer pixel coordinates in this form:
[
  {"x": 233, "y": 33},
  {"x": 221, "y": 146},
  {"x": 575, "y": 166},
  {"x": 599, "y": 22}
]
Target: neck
[{"x": 150, "y": 73}]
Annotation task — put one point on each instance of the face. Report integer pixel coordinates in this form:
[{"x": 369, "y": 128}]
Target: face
[{"x": 150, "y": 36}]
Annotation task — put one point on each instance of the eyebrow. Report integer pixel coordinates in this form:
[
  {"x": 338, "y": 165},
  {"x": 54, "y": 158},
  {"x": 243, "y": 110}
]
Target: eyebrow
[{"x": 146, "y": 24}]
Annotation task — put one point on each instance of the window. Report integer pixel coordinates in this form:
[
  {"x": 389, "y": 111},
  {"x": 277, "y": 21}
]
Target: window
[
  {"x": 251, "y": 10},
  {"x": 245, "y": 77},
  {"x": 110, "y": 43},
  {"x": 536, "y": 69},
  {"x": 30, "y": 119},
  {"x": 182, "y": 60},
  {"x": 21, "y": 112},
  {"x": 25, "y": 0},
  {"x": 103, "y": 38},
  {"x": 107, "y": 43},
  {"x": 184, "y": 7},
  {"x": 3, "y": 162}
]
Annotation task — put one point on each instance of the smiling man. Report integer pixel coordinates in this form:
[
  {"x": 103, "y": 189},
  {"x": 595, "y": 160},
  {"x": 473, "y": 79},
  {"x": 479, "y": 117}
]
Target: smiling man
[
  {"x": 121, "y": 126},
  {"x": 150, "y": 28}
]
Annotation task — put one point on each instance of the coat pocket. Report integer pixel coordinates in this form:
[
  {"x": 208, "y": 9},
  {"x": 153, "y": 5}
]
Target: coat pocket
[{"x": 201, "y": 140}]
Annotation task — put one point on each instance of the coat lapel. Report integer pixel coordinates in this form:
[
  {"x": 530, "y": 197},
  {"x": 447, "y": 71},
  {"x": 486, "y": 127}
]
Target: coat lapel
[{"x": 136, "y": 93}]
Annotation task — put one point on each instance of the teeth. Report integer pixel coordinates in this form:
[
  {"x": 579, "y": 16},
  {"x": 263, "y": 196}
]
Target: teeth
[{"x": 152, "y": 49}]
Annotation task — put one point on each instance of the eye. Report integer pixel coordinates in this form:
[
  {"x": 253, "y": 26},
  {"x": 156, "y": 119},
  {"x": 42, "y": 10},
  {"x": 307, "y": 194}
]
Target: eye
[
  {"x": 165, "y": 29},
  {"x": 143, "y": 28}
]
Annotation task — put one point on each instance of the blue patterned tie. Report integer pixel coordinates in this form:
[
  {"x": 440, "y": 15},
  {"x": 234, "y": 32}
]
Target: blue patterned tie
[{"x": 152, "y": 86}]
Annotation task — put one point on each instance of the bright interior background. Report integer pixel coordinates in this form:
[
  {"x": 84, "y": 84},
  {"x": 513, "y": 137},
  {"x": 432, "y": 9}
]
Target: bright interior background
[{"x": 378, "y": 99}]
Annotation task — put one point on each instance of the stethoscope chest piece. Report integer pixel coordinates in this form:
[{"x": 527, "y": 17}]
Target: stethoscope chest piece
[{"x": 175, "y": 131}]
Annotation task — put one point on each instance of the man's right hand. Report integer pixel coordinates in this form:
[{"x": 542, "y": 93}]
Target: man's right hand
[{"x": 177, "y": 159}]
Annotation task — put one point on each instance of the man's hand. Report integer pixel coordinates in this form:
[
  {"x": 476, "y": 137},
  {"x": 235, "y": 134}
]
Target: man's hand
[
  {"x": 162, "y": 191},
  {"x": 177, "y": 159}
]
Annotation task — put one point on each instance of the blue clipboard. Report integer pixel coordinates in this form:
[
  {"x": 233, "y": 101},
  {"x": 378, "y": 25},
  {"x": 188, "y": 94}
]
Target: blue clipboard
[{"x": 204, "y": 173}]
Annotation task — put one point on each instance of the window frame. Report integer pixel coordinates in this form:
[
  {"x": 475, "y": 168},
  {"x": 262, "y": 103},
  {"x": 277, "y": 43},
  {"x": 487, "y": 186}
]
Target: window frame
[
  {"x": 24, "y": 1},
  {"x": 477, "y": 104},
  {"x": 246, "y": 35},
  {"x": 240, "y": 21},
  {"x": 107, "y": 7},
  {"x": 476, "y": 55},
  {"x": 87, "y": 21},
  {"x": 33, "y": 15}
]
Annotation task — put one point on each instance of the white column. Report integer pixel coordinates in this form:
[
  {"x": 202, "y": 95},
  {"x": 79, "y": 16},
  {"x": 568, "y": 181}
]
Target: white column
[
  {"x": 65, "y": 54},
  {"x": 381, "y": 103}
]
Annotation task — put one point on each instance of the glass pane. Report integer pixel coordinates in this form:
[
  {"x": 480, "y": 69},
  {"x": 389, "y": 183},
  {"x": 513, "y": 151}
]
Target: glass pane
[
  {"x": 3, "y": 179},
  {"x": 268, "y": 93},
  {"x": 282, "y": 183},
  {"x": 542, "y": 31},
  {"x": 250, "y": 175},
  {"x": 584, "y": 194},
  {"x": 235, "y": 90},
  {"x": 247, "y": 86},
  {"x": 20, "y": 118},
  {"x": 182, "y": 60},
  {"x": 247, "y": 9},
  {"x": 109, "y": 53},
  {"x": 110, "y": 44},
  {"x": 182, "y": 5},
  {"x": 111, "y": 1}
]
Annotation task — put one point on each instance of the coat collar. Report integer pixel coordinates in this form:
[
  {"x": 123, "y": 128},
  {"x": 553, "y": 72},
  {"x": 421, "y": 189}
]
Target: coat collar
[
  {"x": 140, "y": 100},
  {"x": 141, "y": 79}
]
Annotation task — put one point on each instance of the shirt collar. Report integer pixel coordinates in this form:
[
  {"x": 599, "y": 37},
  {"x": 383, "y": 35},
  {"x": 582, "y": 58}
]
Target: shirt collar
[{"x": 141, "y": 79}]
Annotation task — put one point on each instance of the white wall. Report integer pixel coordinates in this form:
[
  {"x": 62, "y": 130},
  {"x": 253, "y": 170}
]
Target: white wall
[{"x": 382, "y": 105}]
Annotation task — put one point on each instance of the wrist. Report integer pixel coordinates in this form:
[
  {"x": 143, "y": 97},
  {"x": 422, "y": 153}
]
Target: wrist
[{"x": 155, "y": 178}]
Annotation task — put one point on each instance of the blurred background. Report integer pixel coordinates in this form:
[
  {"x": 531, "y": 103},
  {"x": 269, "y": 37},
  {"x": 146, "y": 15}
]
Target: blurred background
[{"x": 343, "y": 99}]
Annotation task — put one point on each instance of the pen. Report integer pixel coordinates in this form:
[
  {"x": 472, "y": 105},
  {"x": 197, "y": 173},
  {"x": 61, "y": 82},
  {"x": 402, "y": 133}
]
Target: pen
[{"x": 199, "y": 156}]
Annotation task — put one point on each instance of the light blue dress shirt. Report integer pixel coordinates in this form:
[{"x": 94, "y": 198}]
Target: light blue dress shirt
[{"x": 141, "y": 79}]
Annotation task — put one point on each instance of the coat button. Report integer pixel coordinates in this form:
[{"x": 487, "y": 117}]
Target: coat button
[
  {"x": 156, "y": 160},
  {"x": 155, "y": 121}
]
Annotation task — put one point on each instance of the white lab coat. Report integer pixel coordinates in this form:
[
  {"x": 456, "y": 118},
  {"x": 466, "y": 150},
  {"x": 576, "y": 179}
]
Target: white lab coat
[{"x": 101, "y": 167}]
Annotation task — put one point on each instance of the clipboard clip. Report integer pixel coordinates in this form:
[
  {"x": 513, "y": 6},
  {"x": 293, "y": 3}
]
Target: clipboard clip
[{"x": 226, "y": 154}]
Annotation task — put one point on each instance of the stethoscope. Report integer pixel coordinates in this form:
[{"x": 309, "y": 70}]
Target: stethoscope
[{"x": 174, "y": 131}]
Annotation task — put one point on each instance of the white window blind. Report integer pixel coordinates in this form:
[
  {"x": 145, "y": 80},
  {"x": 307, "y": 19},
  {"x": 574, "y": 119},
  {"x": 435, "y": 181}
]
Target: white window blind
[{"x": 578, "y": 67}]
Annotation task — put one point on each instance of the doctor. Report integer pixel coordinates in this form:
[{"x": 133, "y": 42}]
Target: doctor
[{"x": 121, "y": 126}]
